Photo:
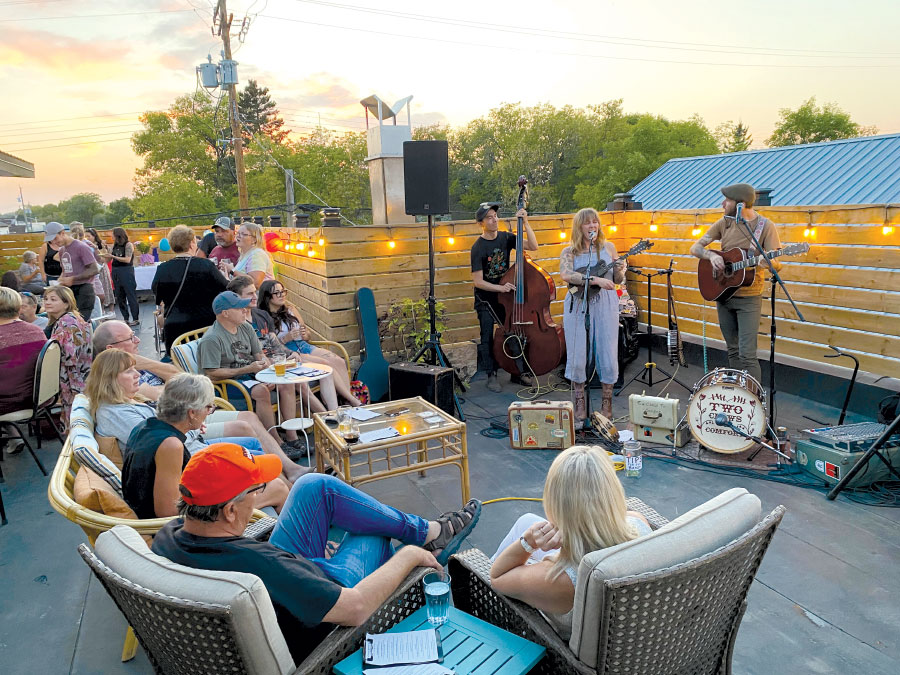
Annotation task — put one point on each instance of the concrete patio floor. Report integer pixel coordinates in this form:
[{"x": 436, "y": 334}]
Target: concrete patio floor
[{"x": 825, "y": 599}]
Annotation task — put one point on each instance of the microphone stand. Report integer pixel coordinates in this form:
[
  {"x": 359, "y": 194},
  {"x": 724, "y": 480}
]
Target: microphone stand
[
  {"x": 739, "y": 219},
  {"x": 588, "y": 341},
  {"x": 755, "y": 439}
]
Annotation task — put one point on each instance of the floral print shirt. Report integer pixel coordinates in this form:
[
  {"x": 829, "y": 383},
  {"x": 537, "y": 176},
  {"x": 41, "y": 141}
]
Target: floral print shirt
[{"x": 74, "y": 337}]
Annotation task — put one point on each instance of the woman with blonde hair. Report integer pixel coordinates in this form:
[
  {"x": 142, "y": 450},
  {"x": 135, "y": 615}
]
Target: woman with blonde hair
[
  {"x": 537, "y": 562},
  {"x": 255, "y": 262},
  {"x": 73, "y": 334},
  {"x": 185, "y": 287},
  {"x": 590, "y": 247}
]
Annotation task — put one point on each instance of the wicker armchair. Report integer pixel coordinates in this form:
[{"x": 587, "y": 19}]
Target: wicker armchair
[
  {"x": 680, "y": 619},
  {"x": 237, "y": 634}
]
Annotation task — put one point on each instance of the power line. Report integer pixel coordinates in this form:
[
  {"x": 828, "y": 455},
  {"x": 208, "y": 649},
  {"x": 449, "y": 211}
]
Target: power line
[
  {"x": 69, "y": 145},
  {"x": 56, "y": 131},
  {"x": 66, "y": 119},
  {"x": 593, "y": 37},
  {"x": 95, "y": 16},
  {"x": 63, "y": 138}
]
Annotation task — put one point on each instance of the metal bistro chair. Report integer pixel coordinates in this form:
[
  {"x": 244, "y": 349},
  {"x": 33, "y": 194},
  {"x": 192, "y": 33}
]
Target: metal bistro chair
[
  {"x": 668, "y": 603},
  {"x": 184, "y": 355},
  {"x": 193, "y": 621},
  {"x": 45, "y": 393}
]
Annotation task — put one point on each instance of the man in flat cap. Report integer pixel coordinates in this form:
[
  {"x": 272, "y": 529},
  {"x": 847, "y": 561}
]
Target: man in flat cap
[
  {"x": 739, "y": 314},
  {"x": 490, "y": 260}
]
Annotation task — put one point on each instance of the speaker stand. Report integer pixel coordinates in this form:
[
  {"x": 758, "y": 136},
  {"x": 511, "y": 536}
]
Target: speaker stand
[{"x": 432, "y": 350}]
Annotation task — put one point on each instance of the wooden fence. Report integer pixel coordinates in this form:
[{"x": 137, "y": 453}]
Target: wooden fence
[{"x": 846, "y": 286}]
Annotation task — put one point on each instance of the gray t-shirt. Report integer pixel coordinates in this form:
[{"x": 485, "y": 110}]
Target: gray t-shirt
[
  {"x": 220, "y": 349},
  {"x": 120, "y": 419}
]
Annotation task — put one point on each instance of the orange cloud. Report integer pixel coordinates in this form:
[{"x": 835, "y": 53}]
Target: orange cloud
[{"x": 54, "y": 53}]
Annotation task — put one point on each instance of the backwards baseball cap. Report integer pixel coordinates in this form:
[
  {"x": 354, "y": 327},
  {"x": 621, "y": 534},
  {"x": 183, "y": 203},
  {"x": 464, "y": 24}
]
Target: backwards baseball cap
[
  {"x": 222, "y": 471},
  {"x": 53, "y": 229},
  {"x": 224, "y": 222},
  {"x": 740, "y": 192},
  {"x": 484, "y": 208},
  {"x": 228, "y": 300}
]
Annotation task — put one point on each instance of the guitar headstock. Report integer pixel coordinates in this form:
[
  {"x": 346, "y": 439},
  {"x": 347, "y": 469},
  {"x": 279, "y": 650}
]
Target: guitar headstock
[
  {"x": 640, "y": 247},
  {"x": 796, "y": 249}
]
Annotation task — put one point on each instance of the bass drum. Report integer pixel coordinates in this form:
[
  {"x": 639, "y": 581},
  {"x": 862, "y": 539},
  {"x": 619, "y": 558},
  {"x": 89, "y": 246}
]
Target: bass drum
[{"x": 738, "y": 395}]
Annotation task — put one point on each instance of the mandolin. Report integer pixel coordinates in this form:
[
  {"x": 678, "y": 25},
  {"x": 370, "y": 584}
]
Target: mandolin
[
  {"x": 740, "y": 270},
  {"x": 602, "y": 269}
]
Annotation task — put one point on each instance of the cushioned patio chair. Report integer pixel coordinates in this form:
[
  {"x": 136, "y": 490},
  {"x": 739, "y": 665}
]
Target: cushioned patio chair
[
  {"x": 192, "y": 621},
  {"x": 670, "y": 602}
]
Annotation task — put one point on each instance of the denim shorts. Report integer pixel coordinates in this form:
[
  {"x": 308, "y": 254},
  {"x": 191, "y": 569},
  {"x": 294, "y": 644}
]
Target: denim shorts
[{"x": 300, "y": 346}]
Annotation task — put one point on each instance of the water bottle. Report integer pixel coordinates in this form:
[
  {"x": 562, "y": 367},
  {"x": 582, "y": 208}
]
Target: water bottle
[{"x": 633, "y": 459}]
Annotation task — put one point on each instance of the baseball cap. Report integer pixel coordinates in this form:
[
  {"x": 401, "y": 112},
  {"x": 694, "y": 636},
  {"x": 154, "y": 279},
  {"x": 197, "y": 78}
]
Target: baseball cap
[
  {"x": 52, "y": 229},
  {"x": 222, "y": 471},
  {"x": 484, "y": 207},
  {"x": 228, "y": 300},
  {"x": 224, "y": 222}
]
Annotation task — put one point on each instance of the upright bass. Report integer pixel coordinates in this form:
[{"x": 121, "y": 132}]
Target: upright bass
[{"x": 529, "y": 340}]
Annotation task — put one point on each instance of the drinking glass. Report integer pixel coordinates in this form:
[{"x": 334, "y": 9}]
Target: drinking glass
[
  {"x": 437, "y": 597},
  {"x": 344, "y": 421},
  {"x": 279, "y": 365}
]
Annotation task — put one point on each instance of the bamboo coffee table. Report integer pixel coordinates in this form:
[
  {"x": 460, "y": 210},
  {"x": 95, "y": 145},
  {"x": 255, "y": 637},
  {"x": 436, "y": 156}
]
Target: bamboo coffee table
[{"x": 421, "y": 445}]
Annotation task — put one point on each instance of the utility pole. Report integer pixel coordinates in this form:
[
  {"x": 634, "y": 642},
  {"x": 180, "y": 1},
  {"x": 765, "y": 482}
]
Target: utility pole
[{"x": 236, "y": 132}]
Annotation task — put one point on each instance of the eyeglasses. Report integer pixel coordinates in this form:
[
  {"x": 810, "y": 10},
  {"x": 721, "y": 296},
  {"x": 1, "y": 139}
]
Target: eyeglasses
[
  {"x": 133, "y": 338},
  {"x": 211, "y": 408},
  {"x": 278, "y": 293},
  {"x": 259, "y": 488}
]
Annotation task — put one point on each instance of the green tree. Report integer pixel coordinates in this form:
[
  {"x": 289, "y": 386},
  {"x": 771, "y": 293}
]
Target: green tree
[
  {"x": 47, "y": 213},
  {"x": 733, "y": 137},
  {"x": 169, "y": 194},
  {"x": 630, "y": 147},
  {"x": 813, "y": 124},
  {"x": 82, "y": 207},
  {"x": 259, "y": 113},
  {"x": 119, "y": 211}
]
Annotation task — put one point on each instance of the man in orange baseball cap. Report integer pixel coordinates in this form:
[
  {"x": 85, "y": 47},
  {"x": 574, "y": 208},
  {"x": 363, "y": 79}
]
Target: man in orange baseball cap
[{"x": 309, "y": 591}]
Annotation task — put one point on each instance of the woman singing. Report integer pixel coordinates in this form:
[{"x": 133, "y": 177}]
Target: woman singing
[{"x": 589, "y": 247}]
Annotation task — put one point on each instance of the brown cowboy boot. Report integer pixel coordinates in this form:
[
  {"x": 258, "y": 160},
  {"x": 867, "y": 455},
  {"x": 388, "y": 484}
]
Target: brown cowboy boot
[
  {"x": 580, "y": 405},
  {"x": 606, "y": 401}
]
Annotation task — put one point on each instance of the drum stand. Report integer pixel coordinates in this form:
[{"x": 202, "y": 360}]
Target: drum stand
[{"x": 650, "y": 364}]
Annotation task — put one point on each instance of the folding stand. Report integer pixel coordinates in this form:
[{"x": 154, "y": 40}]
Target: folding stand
[{"x": 864, "y": 460}]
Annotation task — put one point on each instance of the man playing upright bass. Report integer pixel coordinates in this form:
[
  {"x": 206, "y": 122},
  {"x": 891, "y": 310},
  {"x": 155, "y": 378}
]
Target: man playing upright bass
[
  {"x": 739, "y": 314},
  {"x": 490, "y": 260}
]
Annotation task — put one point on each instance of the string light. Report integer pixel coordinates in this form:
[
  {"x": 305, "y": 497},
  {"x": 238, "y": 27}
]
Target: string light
[
  {"x": 654, "y": 228},
  {"x": 300, "y": 246},
  {"x": 312, "y": 253},
  {"x": 809, "y": 233},
  {"x": 887, "y": 230},
  {"x": 695, "y": 232},
  {"x": 613, "y": 229},
  {"x": 452, "y": 238},
  {"x": 391, "y": 243},
  {"x": 562, "y": 235}
]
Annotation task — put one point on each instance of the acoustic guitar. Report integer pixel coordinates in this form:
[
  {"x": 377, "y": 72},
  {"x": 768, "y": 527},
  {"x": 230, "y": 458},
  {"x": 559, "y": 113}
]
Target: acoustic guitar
[
  {"x": 740, "y": 270},
  {"x": 601, "y": 269}
]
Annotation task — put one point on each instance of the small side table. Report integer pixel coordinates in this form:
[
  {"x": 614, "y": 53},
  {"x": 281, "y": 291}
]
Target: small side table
[
  {"x": 301, "y": 423},
  {"x": 471, "y": 647}
]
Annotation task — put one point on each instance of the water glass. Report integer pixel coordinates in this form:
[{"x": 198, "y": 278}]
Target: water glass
[
  {"x": 345, "y": 422},
  {"x": 437, "y": 597}
]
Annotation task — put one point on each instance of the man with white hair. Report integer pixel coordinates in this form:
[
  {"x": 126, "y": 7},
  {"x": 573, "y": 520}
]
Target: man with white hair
[{"x": 154, "y": 375}]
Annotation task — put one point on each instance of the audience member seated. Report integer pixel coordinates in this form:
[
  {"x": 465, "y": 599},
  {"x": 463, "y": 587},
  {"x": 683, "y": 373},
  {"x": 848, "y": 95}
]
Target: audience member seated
[
  {"x": 292, "y": 331},
  {"x": 73, "y": 334},
  {"x": 226, "y": 246},
  {"x": 154, "y": 374},
  {"x": 10, "y": 280},
  {"x": 117, "y": 408},
  {"x": 30, "y": 278},
  {"x": 231, "y": 350},
  {"x": 20, "y": 345},
  {"x": 185, "y": 287},
  {"x": 31, "y": 305},
  {"x": 310, "y": 591},
  {"x": 156, "y": 453},
  {"x": 254, "y": 261},
  {"x": 272, "y": 346},
  {"x": 537, "y": 562}
]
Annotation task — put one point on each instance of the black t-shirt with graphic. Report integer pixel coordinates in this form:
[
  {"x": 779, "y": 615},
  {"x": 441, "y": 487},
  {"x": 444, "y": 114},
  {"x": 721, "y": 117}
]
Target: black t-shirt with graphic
[{"x": 491, "y": 256}]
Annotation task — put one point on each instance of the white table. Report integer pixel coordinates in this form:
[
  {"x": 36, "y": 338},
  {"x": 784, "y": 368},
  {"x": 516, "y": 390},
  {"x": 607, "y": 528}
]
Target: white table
[
  {"x": 143, "y": 276},
  {"x": 301, "y": 423}
]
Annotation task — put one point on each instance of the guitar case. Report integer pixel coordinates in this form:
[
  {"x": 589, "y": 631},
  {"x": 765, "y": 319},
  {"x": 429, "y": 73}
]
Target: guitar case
[{"x": 373, "y": 367}]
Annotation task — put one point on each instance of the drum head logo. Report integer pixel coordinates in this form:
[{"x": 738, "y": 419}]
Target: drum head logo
[{"x": 741, "y": 405}]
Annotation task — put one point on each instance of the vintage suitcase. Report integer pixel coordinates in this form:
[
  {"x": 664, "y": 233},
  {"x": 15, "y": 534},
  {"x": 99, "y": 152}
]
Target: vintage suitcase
[
  {"x": 653, "y": 411},
  {"x": 541, "y": 424},
  {"x": 651, "y": 434},
  {"x": 433, "y": 383}
]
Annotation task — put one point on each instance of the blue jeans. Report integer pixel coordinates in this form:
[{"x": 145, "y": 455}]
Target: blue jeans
[
  {"x": 251, "y": 444},
  {"x": 317, "y": 502}
]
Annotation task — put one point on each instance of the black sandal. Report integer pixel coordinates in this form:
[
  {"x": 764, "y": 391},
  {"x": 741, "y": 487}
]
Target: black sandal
[{"x": 455, "y": 526}]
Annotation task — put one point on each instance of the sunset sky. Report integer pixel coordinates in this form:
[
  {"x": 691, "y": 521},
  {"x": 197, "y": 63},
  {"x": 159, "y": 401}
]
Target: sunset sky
[{"x": 76, "y": 74}]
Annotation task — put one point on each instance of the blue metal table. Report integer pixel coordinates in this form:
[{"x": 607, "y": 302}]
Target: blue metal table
[{"x": 471, "y": 647}]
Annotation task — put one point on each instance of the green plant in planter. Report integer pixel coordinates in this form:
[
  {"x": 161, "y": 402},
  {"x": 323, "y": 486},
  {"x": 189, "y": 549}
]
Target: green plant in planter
[
  {"x": 142, "y": 247},
  {"x": 407, "y": 325}
]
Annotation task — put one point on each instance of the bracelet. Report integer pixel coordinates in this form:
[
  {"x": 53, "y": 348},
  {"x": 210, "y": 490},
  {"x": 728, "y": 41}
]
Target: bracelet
[{"x": 528, "y": 547}]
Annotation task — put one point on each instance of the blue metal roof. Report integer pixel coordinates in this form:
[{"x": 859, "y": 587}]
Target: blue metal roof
[{"x": 853, "y": 171}]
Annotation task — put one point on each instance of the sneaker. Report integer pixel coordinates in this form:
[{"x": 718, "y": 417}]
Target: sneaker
[
  {"x": 134, "y": 322},
  {"x": 493, "y": 384},
  {"x": 525, "y": 379},
  {"x": 14, "y": 446}
]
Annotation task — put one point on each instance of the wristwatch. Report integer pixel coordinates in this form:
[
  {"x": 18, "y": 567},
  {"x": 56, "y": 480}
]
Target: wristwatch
[{"x": 528, "y": 547}]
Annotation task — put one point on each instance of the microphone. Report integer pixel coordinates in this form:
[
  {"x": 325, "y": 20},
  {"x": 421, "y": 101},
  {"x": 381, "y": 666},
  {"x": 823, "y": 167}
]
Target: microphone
[
  {"x": 723, "y": 421},
  {"x": 739, "y": 212},
  {"x": 592, "y": 235}
]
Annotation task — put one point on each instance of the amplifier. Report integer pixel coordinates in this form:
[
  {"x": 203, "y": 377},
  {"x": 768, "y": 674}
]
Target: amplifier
[
  {"x": 653, "y": 411},
  {"x": 830, "y": 463},
  {"x": 433, "y": 383},
  {"x": 541, "y": 424}
]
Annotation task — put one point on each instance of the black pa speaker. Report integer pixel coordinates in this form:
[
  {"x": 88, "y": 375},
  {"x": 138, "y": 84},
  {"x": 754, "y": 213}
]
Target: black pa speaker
[
  {"x": 433, "y": 383},
  {"x": 426, "y": 178}
]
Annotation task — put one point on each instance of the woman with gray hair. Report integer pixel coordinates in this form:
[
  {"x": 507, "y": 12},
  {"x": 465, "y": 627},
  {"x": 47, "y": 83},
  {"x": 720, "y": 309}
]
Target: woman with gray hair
[
  {"x": 29, "y": 274},
  {"x": 156, "y": 453}
]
